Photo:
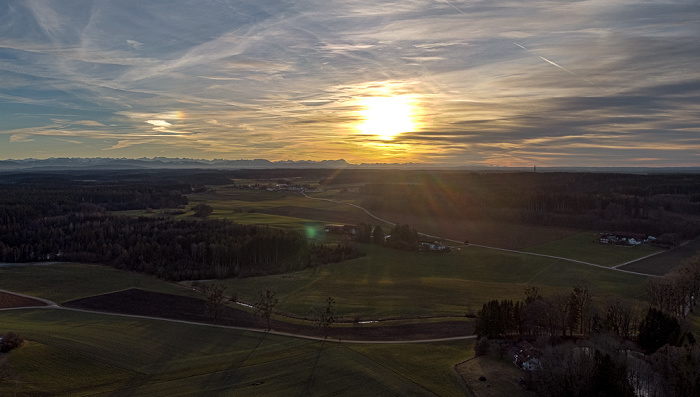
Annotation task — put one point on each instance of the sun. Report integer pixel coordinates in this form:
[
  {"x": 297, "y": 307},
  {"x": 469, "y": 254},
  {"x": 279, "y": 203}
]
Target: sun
[{"x": 387, "y": 117}]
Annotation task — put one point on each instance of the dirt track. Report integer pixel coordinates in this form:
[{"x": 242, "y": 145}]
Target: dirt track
[{"x": 154, "y": 304}]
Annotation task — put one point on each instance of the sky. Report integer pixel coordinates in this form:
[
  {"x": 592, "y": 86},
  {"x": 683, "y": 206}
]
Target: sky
[{"x": 489, "y": 83}]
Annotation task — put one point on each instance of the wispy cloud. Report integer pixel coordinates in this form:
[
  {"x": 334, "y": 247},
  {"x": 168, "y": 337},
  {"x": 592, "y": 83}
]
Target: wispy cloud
[{"x": 572, "y": 83}]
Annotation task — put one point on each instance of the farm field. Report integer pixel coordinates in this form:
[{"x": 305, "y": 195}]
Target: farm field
[
  {"x": 665, "y": 262},
  {"x": 583, "y": 247},
  {"x": 89, "y": 354},
  {"x": 401, "y": 288},
  {"x": 8, "y": 300},
  {"x": 61, "y": 282},
  {"x": 289, "y": 209},
  {"x": 389, "y": 283}
]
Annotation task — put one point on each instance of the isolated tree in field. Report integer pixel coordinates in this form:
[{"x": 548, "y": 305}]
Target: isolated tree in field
[
  {"x": 324, "y": 315},
  {"x": 215, "y": 298},
  {"x": 267, "y": 300},
  {"x": 202, "y": 210}
]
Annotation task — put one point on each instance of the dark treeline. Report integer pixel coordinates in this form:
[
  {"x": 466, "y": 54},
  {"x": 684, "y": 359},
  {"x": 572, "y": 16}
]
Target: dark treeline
[
  {"x": 26, "y": 201},
  {"x": 401, "y": 236},
  {"x": 607, "y": 366},
  {"x": 584, "y": 348},
  {"x": 651, "y": 204},
  {"x": 167, "y": 248},
  {"x": 575, "y": 314},
  {"x": 676, "y": 292},
  {"x": 558, "y": 315},
  {"x": 63, "y": 220}
]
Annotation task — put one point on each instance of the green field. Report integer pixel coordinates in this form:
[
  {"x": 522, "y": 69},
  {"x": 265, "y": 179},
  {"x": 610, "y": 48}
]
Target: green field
[
  {"x": 583, "y": 247},
  {"x": 63, "y": 282},
  {"x": 71, "y": 353},
  {"x": 389, "y": 283}
]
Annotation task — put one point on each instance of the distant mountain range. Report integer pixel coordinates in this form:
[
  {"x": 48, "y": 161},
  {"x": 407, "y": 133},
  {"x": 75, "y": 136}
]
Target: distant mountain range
[
  {"x": 160, "y": 163},
  {"x": 64, "y": 163}
]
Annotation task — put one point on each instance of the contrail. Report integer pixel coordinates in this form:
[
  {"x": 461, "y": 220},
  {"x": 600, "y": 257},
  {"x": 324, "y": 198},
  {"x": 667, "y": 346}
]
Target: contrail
[
  {"x": 532, "y": 52},
  {"x": 545, "y": 59},
  {"x": 454, "y": 6},
  {"x": 555, "y": 64}
]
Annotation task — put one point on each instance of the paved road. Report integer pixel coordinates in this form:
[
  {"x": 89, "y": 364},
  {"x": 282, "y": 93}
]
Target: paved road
[{"x": 613, "y": 268}]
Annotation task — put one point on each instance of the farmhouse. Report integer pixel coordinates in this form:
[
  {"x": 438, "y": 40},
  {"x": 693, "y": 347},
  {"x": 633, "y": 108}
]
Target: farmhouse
[
  {"x": 432, "y": 246},
  {"x": 623, "y": 238},
  {"x": 525, "y": 356}
]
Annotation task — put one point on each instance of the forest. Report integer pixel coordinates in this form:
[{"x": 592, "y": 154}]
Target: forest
[
  {"x": 649, "y": 204},
  {"x": 71, "y": 221}
]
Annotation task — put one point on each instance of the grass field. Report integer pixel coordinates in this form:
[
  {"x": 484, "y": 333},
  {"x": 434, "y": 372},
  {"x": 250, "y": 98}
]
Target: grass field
[
  {"x": 62, "y": 282},
  {"x": 501, "y": 377},
  {"x": 389, "y": 283},
  {"x": 583, "y": 247},
  {"x": 70, "y": 353},
  {"x": 289, "y": 209}
]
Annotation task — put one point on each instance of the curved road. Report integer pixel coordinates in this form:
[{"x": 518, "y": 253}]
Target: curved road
[
  {"x": 613, "y": 268},
  {"x": 54, "y": 305}
]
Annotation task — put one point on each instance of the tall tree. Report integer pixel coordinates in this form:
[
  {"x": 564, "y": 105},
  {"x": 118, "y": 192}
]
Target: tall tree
[
  {"x": 378, "y": 235},
  {"x": 325, "y": 315},
  {"x": 216, "y": 298},
  {"x": 202, "y": 210},
  {"x": 267, "y": 300}
]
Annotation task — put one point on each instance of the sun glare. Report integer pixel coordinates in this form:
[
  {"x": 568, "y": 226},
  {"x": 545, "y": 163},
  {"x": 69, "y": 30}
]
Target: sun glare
[{"x": 386, "y": 117}]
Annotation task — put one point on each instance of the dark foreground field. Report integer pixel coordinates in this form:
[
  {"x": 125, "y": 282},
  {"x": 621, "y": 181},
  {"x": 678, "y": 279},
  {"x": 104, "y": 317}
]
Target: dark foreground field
[
  {"x": 155, "y": 304},
  {"x": 8, "y": 301}
]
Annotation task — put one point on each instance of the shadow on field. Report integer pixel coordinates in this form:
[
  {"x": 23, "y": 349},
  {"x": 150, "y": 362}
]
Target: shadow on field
[
  {"x": 160, "y": 305},
  {"x": 308, "y": 385}
]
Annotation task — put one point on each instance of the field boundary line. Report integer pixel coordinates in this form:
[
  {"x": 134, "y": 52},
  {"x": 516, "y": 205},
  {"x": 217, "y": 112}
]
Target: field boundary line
[
  {"x": 53, "y": 305},
  {"x": 612, "y": 268},
  {"x": 42, "y": 300},
  {"x": 638, "y": 259}
]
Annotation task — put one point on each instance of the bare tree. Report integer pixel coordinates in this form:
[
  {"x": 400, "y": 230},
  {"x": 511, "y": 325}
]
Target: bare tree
[
  {"x": 324, "y": 315},
  {"x": 216, "y": 298},
  {"x": 621, "y": 317},
  {"x": 267, "y": 300},
  {"x": 579, "y": 309},
  {"x": 558, "y": 313}
]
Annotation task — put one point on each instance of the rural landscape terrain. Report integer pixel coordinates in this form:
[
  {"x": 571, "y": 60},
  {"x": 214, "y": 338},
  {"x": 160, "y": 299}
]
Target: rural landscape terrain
[
  {"x": 348, "y": 282},
  {"x": 349, "y": 198}
]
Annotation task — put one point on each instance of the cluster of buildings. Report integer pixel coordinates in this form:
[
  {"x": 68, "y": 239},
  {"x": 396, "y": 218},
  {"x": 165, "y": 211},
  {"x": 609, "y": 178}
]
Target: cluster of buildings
[
  {"x": 351, "y": 230},
  {"x": 623, "y": 238},
  {"x": 525, "y": 356}
]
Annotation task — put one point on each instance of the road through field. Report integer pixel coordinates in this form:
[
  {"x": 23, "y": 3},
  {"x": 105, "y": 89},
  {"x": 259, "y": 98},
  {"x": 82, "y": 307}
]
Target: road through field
[
  {"x": 615, "y": 268},
  {"x": 56, "y": 306}
]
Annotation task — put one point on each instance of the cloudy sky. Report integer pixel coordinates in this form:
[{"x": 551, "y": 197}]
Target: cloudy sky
[{"x": 512, "y": 83}]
